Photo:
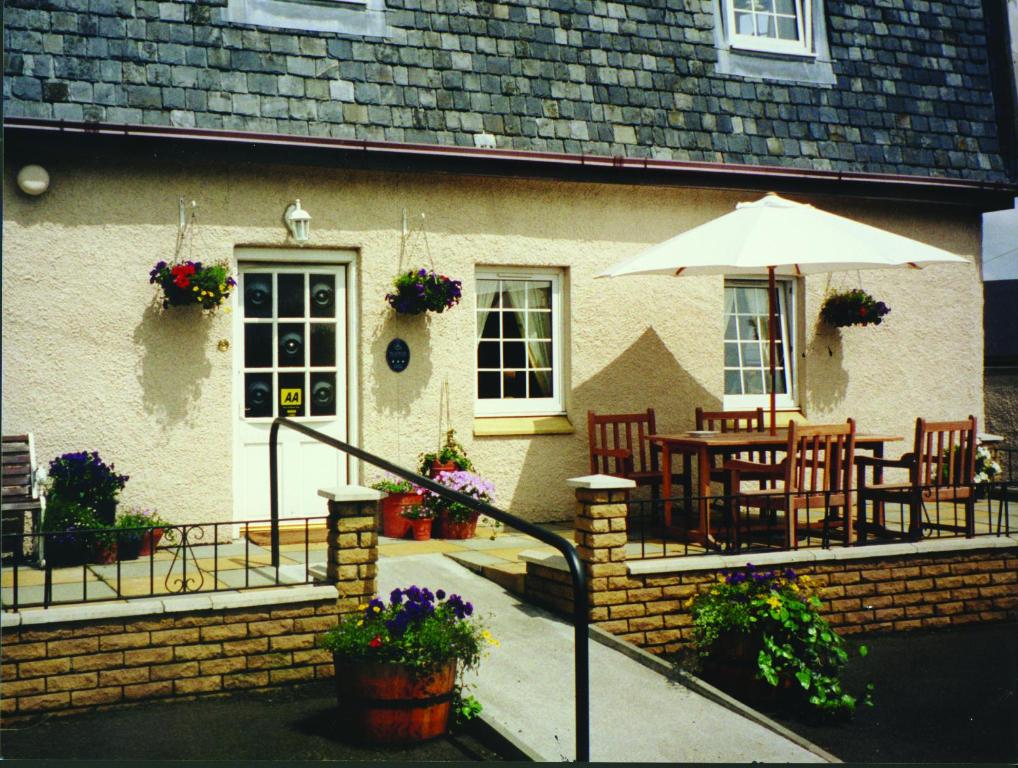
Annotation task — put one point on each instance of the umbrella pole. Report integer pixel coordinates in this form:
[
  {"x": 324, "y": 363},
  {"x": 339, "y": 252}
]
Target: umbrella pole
[{"x": 772, "y": 307}]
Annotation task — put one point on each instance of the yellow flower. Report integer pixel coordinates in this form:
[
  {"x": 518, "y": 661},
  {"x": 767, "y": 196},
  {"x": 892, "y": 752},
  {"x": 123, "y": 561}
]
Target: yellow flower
[
  {"x": 774, "y": 601},
  {"x": 362, "y": 606},
  {"x": 195, "y": 288},
  {"x": 222, "y": 288},
  {"x": 360, "y": 622},
  {"x": 489, "y": 638}
]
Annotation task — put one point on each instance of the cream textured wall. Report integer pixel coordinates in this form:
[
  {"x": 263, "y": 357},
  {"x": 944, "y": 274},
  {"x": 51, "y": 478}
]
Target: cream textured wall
[{"x": 91, "y": 362}]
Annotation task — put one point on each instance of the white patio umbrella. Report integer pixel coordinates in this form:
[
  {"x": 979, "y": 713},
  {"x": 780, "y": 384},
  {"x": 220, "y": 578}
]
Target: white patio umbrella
[{"x": 779, "y": 237}]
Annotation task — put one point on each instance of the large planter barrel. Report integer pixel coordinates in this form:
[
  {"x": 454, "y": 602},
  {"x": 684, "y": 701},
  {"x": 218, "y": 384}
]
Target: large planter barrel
[
  {"x": 393, "y": 522},
  {"x": 388, "y": 704}
]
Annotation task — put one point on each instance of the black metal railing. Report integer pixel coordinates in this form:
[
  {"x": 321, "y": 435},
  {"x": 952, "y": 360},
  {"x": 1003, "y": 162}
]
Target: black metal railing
[
  {"x": 697, "y": 525},
  {"x": 50, "y": 568},
  {"x": 580, "y": 600}
]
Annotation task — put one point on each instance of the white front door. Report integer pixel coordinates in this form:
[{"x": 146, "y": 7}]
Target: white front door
[{"x": 290, "y": 360}]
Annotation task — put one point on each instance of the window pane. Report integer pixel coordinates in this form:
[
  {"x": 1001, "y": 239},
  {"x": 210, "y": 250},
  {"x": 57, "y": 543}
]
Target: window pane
[
  {"x": 744, "y": 23},
  {"x": 751, "y": 355},
  {"x": 755, "y": 301},
  {"x": 514, "y": 354},
  {"x": 488, "y": 324},
  {"x": 787, "y": 28},
  {"x": 257, "y": 295},
  {"x": 733, "y": 383},
  {"x": 512, "y": 325},
  {"x": 257, "y": 345},
  {"x": 514, "y": 294},
  {"x": 487, "y": 294},
  {"x": 731, "y": 355},
  {"x": 291, "y": 345},
  {"x": 743, "y": 5},
  {"x": 539, "y": 354},
  {"x": 785, "y": 6},
  {"x": 323, "y": 344},
  {"x": 541, "y": 384},
  {"x": 731, "y": 329},
  {"x": 764, "y": 6},
  {"x": 291, "y": 394},
  {"x": 487, "y": 354},
  {"x": 257, "y": 395},
  {"x": 765, "y": 26},
  {"x": 753, "y": 382},
  {"x": 488, "y": 385},
  {"x": 514, "y": 384},
  {"x": 323, "y": 394},
  {"x": 291, "y": 295},
  {"x": 539, "y": 325},
  {"x": 323, "y": 295},
  {"x": 539, "y": 294},
  {"x": 747, "y": 328}
]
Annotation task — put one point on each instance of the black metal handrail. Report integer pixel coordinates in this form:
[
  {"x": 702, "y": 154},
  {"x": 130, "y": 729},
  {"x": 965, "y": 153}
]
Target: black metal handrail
[{"x": 580, "y": 602}]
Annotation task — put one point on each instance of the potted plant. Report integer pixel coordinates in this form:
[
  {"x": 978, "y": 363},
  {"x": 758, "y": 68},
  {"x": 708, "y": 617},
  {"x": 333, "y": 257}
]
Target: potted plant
[
  {"x": 189, "y": 283},
  {"x": 764, "y": 627},
  {"x": 420, "y": 519},
  {"x": 854, "y": 307},
  {"x": 455, "y": 520},
  {"x": 422, "y": 290},
  {"x": 402, "y": 495},
  {"x": 140, "y": 531},
  {"x": 987, "y": 469},
  {"x": 399, "y": 666},
  {"x": 85, "y": 479},
  {"x": 449, "y": 458}
]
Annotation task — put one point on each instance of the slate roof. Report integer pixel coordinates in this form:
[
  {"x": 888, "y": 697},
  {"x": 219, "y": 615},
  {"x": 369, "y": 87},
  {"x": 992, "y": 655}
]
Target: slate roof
[{"x": 635, "y": 78}]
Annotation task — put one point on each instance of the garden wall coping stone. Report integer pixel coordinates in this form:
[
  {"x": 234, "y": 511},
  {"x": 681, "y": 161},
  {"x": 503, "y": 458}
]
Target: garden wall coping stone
[
  {"x": 718, "y": 562},
  {"x": 343, "y": 493},
  {"x": 600, "y": 482},
  {"x": 173, "y": 604}
]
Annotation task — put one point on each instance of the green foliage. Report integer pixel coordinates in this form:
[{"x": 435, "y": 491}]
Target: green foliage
[
  {"x": 465, "y": 707},
  {"x": 77, "y": 523},
  {"x": 83, "y": 478},
  {"x": 853, "y": 307},
  {"x": 776, "y": 616},
  {"x": 451, "y": 451},
  {"x": 417, "y": 628},
  {"x": 393, "y": 484}
]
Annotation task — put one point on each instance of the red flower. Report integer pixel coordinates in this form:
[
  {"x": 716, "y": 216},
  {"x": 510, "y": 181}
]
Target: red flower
[
  {"x": 182, "y": 275},
  {"x": 375, "y": 641},
  {"x": 863, "y": 311}
]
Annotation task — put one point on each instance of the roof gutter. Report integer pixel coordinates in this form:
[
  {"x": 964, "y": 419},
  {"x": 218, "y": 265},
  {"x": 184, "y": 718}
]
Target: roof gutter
[{"x": 962, "y": 192}]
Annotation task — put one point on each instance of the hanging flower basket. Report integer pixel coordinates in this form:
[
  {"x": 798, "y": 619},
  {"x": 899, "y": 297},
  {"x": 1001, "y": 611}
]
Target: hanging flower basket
[
  {"x": 422, "y": 290},
  {"x": 855, "y": 307},
  {"x": 191, "y": 282}
]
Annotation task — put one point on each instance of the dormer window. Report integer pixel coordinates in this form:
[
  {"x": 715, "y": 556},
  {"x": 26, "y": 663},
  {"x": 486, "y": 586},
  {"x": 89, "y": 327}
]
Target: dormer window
[{"x": 780, "y": 26}]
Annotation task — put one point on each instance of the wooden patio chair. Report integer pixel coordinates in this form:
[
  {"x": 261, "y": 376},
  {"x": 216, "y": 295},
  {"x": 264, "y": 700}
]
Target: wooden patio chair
[
  {"x": 736, "y": 421},
  {"x": 619, "y": 446},
  {"x": 816, "y": 473},
  {"x": 941, "y": 468},
  {"x": 21, "y": 504}
]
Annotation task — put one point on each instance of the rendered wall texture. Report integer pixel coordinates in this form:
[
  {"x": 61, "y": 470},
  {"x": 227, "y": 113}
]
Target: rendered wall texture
[{"x": 91, "y": 362}]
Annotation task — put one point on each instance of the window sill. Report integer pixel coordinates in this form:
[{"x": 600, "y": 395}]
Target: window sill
[{"x": 508, "y": 426}]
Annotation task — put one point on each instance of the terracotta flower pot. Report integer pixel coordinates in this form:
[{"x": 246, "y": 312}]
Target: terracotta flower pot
[
  {"x": 104, "y": 554},
  {"x": 393, "y": 522},
  {"x": 387, "y": 704},
  {"x": 150, "y": 541},
  {"x": 438, "y": 466},
  {"x": 453, "y": 529},
  {"x": 421, "y": 528}
]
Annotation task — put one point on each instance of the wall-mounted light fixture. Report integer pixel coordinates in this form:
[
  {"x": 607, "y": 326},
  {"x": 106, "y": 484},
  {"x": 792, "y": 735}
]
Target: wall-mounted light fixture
[
  {"x": 298, "y": 221},
  {"x": 33, "y": 180}
]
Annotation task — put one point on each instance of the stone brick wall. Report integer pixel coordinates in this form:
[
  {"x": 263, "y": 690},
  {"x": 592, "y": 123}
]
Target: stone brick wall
[
  {"x": 899, "y": 593},
  {"x": 75, "y": 665},
  {"x": 877, "y": 588}
]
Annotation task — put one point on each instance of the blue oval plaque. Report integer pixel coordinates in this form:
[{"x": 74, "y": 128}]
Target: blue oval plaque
[{"x": 397, "y": 355}]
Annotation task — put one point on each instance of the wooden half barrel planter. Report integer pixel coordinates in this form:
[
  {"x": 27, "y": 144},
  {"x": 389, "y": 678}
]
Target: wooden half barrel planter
[
  {"x": 393, "y": 522},
  {"x": 387, "y": 703}
]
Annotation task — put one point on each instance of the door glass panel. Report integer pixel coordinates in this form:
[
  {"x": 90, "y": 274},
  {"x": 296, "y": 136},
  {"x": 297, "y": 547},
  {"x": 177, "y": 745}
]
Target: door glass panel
[
  {"x": 323, "y": 394},
  {"x": 257, "y": 345},
  {"x": 291, "y": 295},
  {"x": 541, "y": 384},
  {"x": 257, "y": 395},
  {"x": 323, "y": 344},
  {"x": 291, "y": 394},
  {"x": 514, "y": 384},
  {"x": 291, "y": 345},
  {"x": 257, "y": 295},
  {"x": 514, "y": 355},
  {"x": 322, "y": 295}
]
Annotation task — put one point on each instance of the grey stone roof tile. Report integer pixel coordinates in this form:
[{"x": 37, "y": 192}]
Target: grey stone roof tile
[{"x": 635, "y": 79}]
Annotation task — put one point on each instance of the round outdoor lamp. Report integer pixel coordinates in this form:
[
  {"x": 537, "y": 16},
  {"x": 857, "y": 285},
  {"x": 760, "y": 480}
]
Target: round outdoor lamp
[
  {"x": 33, "y": 180},
  {"x": 298, "y": 221}
]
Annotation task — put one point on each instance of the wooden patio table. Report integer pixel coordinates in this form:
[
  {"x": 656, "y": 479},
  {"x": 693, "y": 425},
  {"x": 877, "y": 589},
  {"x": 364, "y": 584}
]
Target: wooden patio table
[{"x": 702, "y": 448}]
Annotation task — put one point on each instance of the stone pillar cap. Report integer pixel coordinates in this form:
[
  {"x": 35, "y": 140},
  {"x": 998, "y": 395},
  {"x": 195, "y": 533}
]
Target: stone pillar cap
[
  {"x": 600, "y": 482},
  {"x": 350, "y": 493}
]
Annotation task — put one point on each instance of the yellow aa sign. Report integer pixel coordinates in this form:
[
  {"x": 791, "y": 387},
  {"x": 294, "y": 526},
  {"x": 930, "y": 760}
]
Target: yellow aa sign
[{"x": 289, "y": 398}]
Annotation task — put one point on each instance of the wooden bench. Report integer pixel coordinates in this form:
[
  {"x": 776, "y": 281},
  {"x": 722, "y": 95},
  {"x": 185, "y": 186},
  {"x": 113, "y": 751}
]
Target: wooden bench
[{"x": 20, "y": 502}]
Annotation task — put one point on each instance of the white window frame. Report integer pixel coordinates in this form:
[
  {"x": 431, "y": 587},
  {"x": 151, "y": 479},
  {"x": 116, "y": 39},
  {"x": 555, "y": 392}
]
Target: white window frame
[
  {"x": 545, "y": 406},
  {"x": 801, "y": 47},
  {"x": 787, "y": 312},
  {"x": 343, "y": 17}
]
